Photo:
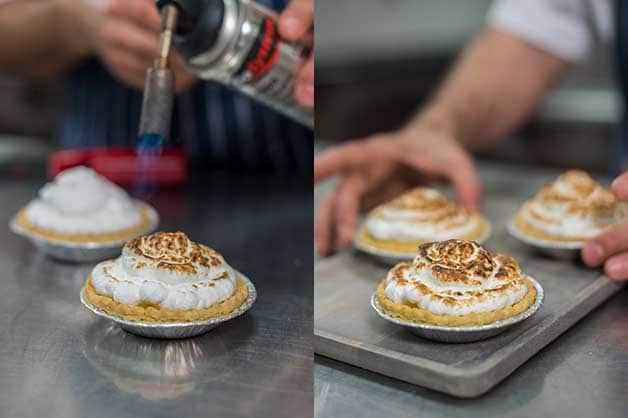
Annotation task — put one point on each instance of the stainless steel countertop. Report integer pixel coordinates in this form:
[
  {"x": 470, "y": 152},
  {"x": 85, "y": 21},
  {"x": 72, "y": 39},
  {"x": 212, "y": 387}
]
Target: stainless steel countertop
[
  {"x": 583, "y": 373},
  {"x": 58, "y": 359}
]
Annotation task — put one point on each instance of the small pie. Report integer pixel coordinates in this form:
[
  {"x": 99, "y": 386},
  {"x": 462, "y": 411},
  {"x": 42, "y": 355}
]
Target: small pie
[
  {"x": 81, "y": 206},
  {"x": 456, "y": 283},
  {"x": 418, "y": 216},
  {"x": 165, "y": 277},
  {"x": 572, "y": 209}
]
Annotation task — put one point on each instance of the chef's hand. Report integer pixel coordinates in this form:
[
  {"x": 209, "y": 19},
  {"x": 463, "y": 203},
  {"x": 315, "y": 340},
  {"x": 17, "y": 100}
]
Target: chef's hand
[
  {"x": 297, "y": 22},
  {"x": 128, "y": 43},
  {"x": 381, "y": 167},
  {"x": 611, "y": 247}
]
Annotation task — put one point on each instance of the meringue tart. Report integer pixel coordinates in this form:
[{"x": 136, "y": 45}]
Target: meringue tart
[
  {"x": 81, "y": 206},
  {"x": 418, "y": 216},
  {"x": 572, "y": 209},
  {"x": 456, "y": 283},
  {"x": 165, "y": 277}
]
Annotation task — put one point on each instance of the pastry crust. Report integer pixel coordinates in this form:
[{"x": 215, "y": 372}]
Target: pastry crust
[
  {"x": 120, "y": 235},
  {"x": 532, "y": 232},
  {"x": 410, "y": 246},
  {"x": 154, "y": 313},
  {"x": 412, "y": 313}
]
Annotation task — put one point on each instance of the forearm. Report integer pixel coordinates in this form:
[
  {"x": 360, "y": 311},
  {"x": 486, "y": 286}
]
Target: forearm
[
  {"x": 41, "y": 38},
  {"x": 495, "y": 84}
]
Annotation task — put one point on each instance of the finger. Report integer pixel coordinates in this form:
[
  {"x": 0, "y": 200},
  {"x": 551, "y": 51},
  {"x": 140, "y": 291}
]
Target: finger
[
  {"x": 348, "y": 199},
  {"x": 296, "y": 19},
  {"x": 183, "y": 77},
  {"x": 616, "y": 267},
  {"x": 605, "y": 245},
  {"x": 128, "y": 36},
  {"x": 460, "y": 171},
  {"x": 466, "y": 183},
  {"x": 324, "y": 224},
  {"x": 143, "y": 13},
  {"x": 352, "y": 155},
  {"x": 620, "y": 187},
  {"x": 127, "y": 67},
  {"x": 304, "y": 91}
]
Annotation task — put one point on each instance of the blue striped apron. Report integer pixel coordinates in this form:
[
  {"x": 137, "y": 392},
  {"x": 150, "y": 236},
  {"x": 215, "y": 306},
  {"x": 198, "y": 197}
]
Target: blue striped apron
[{"x": 214, "y": 124}]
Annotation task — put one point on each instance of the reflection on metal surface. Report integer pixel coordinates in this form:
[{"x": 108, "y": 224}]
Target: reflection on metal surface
[
  {"x": 57, "y": 356},
  {"x": 154, "y": 369}
]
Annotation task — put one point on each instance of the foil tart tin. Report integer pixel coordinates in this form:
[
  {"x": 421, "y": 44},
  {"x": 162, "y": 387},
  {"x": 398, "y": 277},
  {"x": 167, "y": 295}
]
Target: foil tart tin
[
  {"x": 554, "y": 249},
  {"x": 82, "y": 252},
  {"x": 175, "y": 330},
  {"x": 392, "y": 257},
  {"x": 464, "y": 334}
]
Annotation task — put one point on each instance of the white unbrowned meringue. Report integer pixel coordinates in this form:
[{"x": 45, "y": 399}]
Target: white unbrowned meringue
[
  {"x": 574, "y": 205},
  {"x": 421, "y": 214},
  {"x": 456, "y": 277},
  {"x": 167, "y": 270},
  {"x": 79, "y": 201}
]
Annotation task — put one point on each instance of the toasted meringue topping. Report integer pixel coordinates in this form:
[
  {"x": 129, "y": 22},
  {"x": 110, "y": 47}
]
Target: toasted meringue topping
[
  {"x": 421, "y": 214},
  {"x": 80, "y": 201},
  {"x": 457, "y": 277},
  {"x": 166, "y": 269},
  {"x": 574, "y": 205}
]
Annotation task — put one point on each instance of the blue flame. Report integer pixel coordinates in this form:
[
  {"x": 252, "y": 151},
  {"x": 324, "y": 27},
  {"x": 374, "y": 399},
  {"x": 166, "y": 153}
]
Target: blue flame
[
  {"x": 150, "y": 143},
  {"x": 149, "y": 149}
]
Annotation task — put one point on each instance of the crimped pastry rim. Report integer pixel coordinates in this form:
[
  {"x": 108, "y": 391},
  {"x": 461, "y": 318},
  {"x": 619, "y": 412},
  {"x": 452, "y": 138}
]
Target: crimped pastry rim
[
  {"x": 244, "y": 307},
  {"x": 405, "y": 256},
  {"x": 151, "y": 213},
  {"x": 502, "y": 323}
]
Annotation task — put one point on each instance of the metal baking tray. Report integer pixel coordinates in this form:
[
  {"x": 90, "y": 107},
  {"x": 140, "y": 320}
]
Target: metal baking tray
[{"x": 347, "y": 329}]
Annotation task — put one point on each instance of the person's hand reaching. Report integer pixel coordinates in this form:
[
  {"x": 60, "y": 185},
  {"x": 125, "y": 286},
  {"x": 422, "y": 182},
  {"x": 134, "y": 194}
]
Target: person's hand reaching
[{"x": 381, "y": 167}]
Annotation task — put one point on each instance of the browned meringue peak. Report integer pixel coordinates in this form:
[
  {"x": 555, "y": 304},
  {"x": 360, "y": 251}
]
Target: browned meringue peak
[
  {"x": 174, "y": 251},
  {"x": 425, "y": 200},
  {"x": 456, "y": 277},
  {"x": 464, "y": 262},
  {"x": 581, "y": 194}
]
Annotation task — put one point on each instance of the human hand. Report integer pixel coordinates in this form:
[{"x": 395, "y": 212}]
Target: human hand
[
  {"x": 297, "y": 22},
  {"x": 128, "y": 43},
  {"x": 611, "y": 247},
  {"x": 381, "y": 167}
]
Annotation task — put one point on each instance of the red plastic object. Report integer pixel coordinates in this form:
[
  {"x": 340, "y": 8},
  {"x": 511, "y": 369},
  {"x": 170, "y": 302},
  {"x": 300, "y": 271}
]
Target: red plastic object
[{"x": 124, "y": 165}]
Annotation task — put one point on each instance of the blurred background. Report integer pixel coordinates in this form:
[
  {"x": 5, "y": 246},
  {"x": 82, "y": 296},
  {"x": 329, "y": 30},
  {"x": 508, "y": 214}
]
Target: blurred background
[
  {"x": 378, "y": 60},
  {"x": 29, "y": 112}
]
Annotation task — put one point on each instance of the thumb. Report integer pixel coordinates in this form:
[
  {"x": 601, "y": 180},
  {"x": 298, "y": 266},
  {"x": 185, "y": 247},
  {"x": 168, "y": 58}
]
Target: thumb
[
  {"x": 620, "y": 187},
  {"x": 296, "y": 19}
]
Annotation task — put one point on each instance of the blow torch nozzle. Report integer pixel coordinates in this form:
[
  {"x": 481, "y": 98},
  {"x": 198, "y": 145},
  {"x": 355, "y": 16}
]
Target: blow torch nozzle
[
  {"x": 169, "y": 16},
  {"x": 159, "y": 85}
]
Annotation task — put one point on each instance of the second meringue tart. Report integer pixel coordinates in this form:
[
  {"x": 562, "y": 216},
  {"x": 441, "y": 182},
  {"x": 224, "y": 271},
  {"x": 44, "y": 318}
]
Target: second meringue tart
[
  {"x": 418, "y": 216},
  {"x": 456, "y": 283},
  {"x": 572, "y": 209},
  {"x": 165, "y": 277},
  {"x": 79, "y": 206}
]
